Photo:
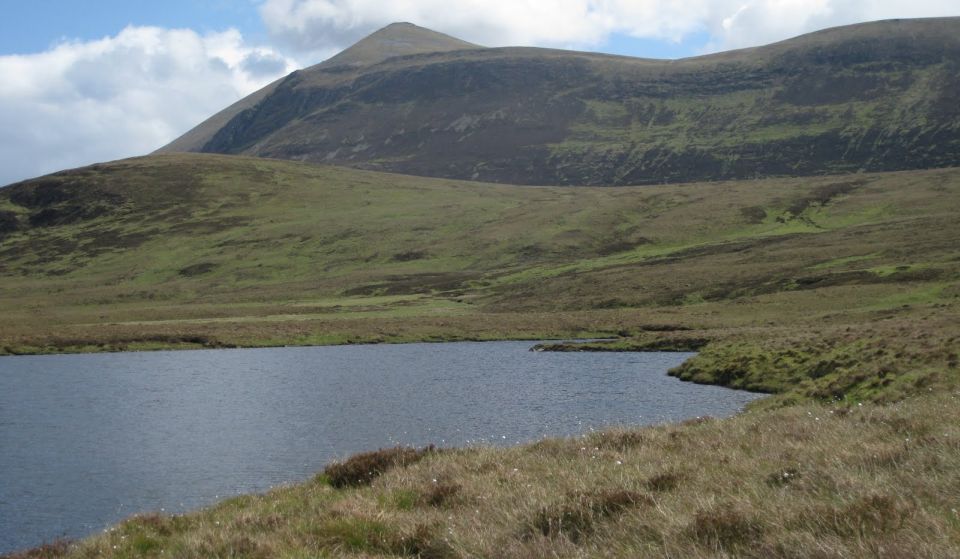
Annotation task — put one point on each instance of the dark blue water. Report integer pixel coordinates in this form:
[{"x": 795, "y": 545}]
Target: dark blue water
[{"x": 86, "y": 440}]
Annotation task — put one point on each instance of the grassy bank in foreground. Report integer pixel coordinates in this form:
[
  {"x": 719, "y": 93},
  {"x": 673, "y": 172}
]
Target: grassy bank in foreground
[{"x": 802, "y": 481}]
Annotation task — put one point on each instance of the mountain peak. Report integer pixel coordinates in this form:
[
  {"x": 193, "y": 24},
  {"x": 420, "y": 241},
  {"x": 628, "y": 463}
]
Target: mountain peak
[{"x": 396, "y": 39}]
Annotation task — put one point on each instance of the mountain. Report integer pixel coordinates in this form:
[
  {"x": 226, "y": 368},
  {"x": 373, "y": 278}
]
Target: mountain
[{"x": 871, "y": 97}]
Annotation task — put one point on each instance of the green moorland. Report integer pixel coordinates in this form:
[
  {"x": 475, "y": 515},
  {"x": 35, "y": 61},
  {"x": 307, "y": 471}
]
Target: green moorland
[{"x": 837, "y": 294}]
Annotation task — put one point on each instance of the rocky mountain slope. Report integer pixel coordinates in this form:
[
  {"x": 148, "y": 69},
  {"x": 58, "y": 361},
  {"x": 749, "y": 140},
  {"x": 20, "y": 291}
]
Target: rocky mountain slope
[{"x": 870, "y": 97}]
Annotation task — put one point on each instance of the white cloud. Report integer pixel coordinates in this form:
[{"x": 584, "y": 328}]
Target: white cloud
[
  {"x": 311, "y": 26},
  {"x": 315, "y": 25},
  {"x": 84, "y": 102},
  {"x": 758, "y": 22}
]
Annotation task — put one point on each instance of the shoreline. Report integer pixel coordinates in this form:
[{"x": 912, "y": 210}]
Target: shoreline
[
  {"x": 592, "y": 491},
  {"x": 522, "y": 349}
]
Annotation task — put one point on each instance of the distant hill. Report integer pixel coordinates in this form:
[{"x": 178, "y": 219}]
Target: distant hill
[
  {"x": 256, "y": 251},
  {"x": 870, "y": 97}
]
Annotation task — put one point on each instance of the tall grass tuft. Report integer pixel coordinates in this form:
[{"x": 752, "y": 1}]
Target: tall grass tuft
[
  {"x": 362, "y": 469},
  {"x": 725, "y": 527},
  {"x": 576, "y": 517}
]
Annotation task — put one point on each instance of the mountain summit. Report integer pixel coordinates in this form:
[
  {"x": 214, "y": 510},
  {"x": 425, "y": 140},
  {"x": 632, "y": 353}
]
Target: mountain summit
[
  {"x": 396, "y": 39},
  {"x": 879, "y": 96}
]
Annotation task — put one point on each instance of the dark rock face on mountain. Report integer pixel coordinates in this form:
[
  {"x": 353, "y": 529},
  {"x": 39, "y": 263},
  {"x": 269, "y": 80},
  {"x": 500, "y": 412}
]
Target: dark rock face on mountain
[{"x": 870, "y": 97}]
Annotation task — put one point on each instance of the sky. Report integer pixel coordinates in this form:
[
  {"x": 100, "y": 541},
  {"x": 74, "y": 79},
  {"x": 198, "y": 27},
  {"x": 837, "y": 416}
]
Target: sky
[{"x": 98, "y": 80}]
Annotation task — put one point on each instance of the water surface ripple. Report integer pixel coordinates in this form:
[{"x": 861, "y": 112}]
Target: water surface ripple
[{"x": 86, "y": 440}]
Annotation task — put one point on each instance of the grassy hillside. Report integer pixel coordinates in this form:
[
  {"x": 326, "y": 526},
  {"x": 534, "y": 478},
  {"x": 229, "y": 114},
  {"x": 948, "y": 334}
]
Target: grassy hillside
[
  {"x": 188, "y": 250},
  {"x": 871, "y": 97},
  {"x": 840, "y": 295}
]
